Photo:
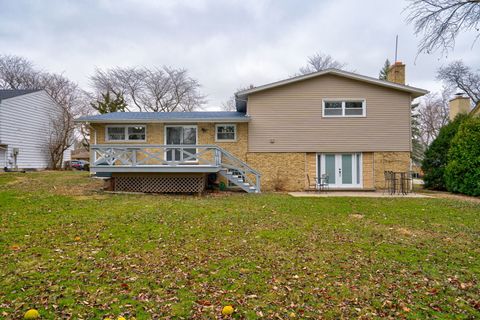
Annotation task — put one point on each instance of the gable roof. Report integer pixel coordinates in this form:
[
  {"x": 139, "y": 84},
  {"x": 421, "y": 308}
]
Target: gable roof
[
  {"x": 416, "y": 92},
  {"x": 11, "y": 93},
  {"x": 144, "y": 117}
]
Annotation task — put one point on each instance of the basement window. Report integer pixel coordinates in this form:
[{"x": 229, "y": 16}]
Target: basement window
[
  {"x": 125, "y": 133},
  {"x": 344, "y": 108},
  {"x": 225, "y": 132}
]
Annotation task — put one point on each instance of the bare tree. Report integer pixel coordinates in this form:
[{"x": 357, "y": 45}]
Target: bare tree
[
  {"x": 440, "y": 21},
  {"x": 19, "y": 73},
  {"x": 163, "y": 89},
  {"x": 433, "y": 114},
  {"x": 230, "y": 104},
  {"x": 320, "y": 61},
  {"x": 457, "y": 74}
]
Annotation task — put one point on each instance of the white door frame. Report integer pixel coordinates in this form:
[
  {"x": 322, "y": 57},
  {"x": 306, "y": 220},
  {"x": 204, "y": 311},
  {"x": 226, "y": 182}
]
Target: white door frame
[
  {"x": 181, "y": 126},
  {"x": 357, "y": 171}
]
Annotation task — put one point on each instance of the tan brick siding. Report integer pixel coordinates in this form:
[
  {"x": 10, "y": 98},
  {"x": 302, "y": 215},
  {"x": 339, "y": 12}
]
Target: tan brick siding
[
  {"x": 367, "y": 170},
  {"x": 389, "y": 161},
  {"x": 280, "y": 171}
]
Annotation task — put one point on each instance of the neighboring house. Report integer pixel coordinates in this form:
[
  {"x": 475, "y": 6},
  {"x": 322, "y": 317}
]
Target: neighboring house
[
  {"x": 350, "y": 127},
  {"x": 462, "y": 105},
  {"x": 25, "y": 118}
]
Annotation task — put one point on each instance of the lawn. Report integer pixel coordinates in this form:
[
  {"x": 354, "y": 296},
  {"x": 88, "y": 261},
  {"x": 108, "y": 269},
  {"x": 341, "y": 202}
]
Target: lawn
[{"x": 71, "y": 251}]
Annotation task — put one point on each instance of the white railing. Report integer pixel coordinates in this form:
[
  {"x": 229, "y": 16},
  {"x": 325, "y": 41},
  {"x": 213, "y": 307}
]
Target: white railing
[{"x": 169, "y": 155}]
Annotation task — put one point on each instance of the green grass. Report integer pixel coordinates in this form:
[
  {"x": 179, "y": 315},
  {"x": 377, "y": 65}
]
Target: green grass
[{"x": 71, "y": 251}]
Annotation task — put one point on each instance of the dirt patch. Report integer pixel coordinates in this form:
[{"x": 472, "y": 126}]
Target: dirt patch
[{"x": 356, "y": 216}]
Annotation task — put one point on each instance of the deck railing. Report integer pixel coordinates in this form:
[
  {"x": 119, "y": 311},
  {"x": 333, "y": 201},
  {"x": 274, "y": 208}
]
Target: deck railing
[{"x": 170, "y": 156}]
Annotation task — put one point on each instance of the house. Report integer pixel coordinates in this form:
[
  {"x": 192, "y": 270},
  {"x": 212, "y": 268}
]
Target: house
[
  {"x": 460, "y": 104},
  {"x": 349, "y": 127},
  {"x": 25, "y": 123}
]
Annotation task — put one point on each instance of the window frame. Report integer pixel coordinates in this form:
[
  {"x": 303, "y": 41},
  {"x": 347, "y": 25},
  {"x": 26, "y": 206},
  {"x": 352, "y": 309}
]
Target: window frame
[
  {"x": 224, "y": 125},
  {"x": 125, "y": 129},
  {"x": 343, "y": 101}
]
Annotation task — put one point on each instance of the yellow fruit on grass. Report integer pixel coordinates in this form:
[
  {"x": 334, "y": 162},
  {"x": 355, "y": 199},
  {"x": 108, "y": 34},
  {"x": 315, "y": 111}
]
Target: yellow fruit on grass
[
  {"x": 292, "y": 315},
  {"x": 31, "y": 314},
  {"x": 107, "y": 318},
  {"x": 121, "y": 318},
  {"x": 227, "y": 310}
]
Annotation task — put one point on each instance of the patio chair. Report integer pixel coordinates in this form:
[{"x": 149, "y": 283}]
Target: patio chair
[{"x": 322, "y": 183}]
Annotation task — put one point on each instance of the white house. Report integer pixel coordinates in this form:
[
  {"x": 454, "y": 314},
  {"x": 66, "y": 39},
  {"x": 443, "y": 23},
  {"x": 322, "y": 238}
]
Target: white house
[{"x": 25, "y": 123}]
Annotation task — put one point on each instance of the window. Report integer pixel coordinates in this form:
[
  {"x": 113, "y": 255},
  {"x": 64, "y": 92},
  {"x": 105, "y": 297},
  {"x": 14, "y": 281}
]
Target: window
[
  {"x": 126, "y": 133},
  {"x": 344, "y": 108},
  {"x": 226, "y": 132}
]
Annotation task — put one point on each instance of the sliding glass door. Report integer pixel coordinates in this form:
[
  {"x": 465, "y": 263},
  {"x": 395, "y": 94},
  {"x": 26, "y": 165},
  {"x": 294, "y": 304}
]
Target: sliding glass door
[
  {"x": 181, "y": 135},
  {"x": 344, "y": 170}
]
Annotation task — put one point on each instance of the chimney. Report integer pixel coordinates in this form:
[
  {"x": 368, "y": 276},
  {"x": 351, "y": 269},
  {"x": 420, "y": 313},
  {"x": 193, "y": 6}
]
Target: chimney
[
  {"x": 458, "y": 105},
  {"x": 396, "y": 73}
]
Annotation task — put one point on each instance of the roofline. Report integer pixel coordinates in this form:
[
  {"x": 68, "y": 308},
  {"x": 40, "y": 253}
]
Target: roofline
[
  {"x": 417, "y": 92},
  {"x": 235, "y": 120},
  {"x": 34, "y": 91},
  {"x": 475, "y": 108}
]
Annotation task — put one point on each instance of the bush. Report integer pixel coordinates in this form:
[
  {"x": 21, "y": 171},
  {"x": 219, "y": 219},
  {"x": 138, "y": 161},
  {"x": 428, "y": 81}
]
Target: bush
[
  {"x": 436, "y": 155},
  {"x": 462, "y": 173}
]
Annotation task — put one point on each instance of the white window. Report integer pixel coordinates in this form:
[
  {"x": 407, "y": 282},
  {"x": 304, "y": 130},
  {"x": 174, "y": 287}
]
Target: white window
[
  {"x": 126, "y": 133},
  {"x": 344, "y": 108},
  {"x": 225, "y": 132}
]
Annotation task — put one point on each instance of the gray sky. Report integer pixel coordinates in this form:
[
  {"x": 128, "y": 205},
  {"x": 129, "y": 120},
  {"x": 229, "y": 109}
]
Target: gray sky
[{"x": 224, "y": 44}]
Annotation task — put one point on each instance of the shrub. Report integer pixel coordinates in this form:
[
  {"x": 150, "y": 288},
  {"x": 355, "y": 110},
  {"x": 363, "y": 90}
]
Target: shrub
[
  {"x": 462, "y": 173},
  {"x": 436, "y": 155}
]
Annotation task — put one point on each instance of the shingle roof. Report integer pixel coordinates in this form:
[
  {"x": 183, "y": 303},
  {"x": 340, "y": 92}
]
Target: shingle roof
[
  {"x": 10, "y": 93},
  {"x": 207, "y": 116}
]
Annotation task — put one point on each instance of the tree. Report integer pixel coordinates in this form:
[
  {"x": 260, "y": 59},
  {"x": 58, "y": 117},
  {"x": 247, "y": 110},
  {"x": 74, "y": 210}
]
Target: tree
[
  {"x": 462, "y": 173},
  {"x": 440, "y": 21},
  {"x": 320, "y": 61},
  {"x": 230, "y": 104},
  {"x": 384, "y": 71},
  {"x": 457, "y": 74},
  {"x": 417, "y": 145},
  {"x": 436, "y": 155},
  {"x": 432, "y": 114},
  {"x": 163, "y": 89},
  {"x": 19, "y": 73},
  {"x": 107, "y": 104}
]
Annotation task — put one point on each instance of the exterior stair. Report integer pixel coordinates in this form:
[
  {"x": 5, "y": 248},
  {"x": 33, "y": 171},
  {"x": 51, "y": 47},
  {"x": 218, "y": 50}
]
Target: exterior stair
[{"x": 238, "y": 180}]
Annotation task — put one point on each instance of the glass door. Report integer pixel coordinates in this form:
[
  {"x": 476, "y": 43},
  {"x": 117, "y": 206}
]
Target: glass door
[
  {"x": 343, "y": 169},
  {"x": 181, "y": 135}
]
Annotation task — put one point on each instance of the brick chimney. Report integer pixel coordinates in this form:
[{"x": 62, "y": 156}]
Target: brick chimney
[
  {"x": 396, "y": 73},
  {"x": 459, "y": 104}
]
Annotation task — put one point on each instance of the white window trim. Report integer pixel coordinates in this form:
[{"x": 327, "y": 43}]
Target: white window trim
[
  {"x": 226, "y": 140},
  {"x": 125, "y": 128},
  {"x": 364, "y": 108},
  {"x": 181, "y": 126}
]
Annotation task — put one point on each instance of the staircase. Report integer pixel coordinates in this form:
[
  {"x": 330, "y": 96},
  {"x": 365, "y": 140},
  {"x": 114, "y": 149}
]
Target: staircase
[
  {"x": 239, "y": 181},
  {"x": 238, "y": 172}
]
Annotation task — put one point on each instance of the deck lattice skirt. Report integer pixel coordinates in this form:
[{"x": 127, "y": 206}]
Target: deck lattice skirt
[{"x": 160, "y": 184}]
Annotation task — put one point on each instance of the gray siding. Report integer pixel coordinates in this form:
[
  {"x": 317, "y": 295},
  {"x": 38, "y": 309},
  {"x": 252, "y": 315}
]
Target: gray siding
[
  {"x": 292, "y": 116},
  {"x": 25, "y": 124}
]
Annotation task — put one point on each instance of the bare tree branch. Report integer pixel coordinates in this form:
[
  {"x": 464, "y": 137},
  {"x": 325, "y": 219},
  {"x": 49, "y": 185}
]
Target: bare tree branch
[
  {"x": 440, "y": 22},
  {"x": 320, "y": 61},
  {"x": 163, "y": 89},
  {"x": 457, "y": 74}
]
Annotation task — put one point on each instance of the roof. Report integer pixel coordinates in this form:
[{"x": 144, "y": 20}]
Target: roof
[
  {"x": 11, "y": 93},
  {"x": 476, "y": 109},
  {"x": 416, "y": 92},
  {"x": 143, "y": 117}
]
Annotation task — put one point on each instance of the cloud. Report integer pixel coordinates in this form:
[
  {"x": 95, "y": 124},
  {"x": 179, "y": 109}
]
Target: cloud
[{"x": 224, "y": 44}]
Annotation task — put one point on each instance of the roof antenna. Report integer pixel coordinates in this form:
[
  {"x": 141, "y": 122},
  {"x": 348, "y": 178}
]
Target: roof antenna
[{"x": 396, "y": 47}]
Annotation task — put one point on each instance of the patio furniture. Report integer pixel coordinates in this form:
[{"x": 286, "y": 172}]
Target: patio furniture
[
  {"x": 397, "y": 182},
  {"x": 323, "y": 182}
]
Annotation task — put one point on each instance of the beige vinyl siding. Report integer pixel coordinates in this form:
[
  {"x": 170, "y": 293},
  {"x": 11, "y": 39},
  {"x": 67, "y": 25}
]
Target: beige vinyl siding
[{"x": 291, "y": 115}]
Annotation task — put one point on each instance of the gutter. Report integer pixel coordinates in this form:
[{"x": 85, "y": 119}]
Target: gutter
[{"x": 234, "y": 120}]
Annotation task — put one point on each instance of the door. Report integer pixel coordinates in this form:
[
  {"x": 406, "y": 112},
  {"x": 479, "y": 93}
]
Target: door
[
  {"x": 343, "y": 169},
  {"x": 181, "y": 135}
]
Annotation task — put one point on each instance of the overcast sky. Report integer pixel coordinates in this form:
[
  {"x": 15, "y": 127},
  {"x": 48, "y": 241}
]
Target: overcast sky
[{"x": 224, "y": 44}]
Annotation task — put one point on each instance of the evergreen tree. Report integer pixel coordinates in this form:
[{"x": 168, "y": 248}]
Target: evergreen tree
[
  {"x": 436, "y": 156},
  {"x": 108, "y": 104},
  {"x": 384, "y": 70}
]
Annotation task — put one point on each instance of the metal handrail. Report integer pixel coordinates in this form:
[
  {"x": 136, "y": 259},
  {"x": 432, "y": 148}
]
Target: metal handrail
[{"x": 127, "y": 155}]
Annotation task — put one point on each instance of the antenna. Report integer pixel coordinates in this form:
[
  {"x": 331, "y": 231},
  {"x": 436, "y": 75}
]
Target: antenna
[{"x": 396, "y": 47}]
